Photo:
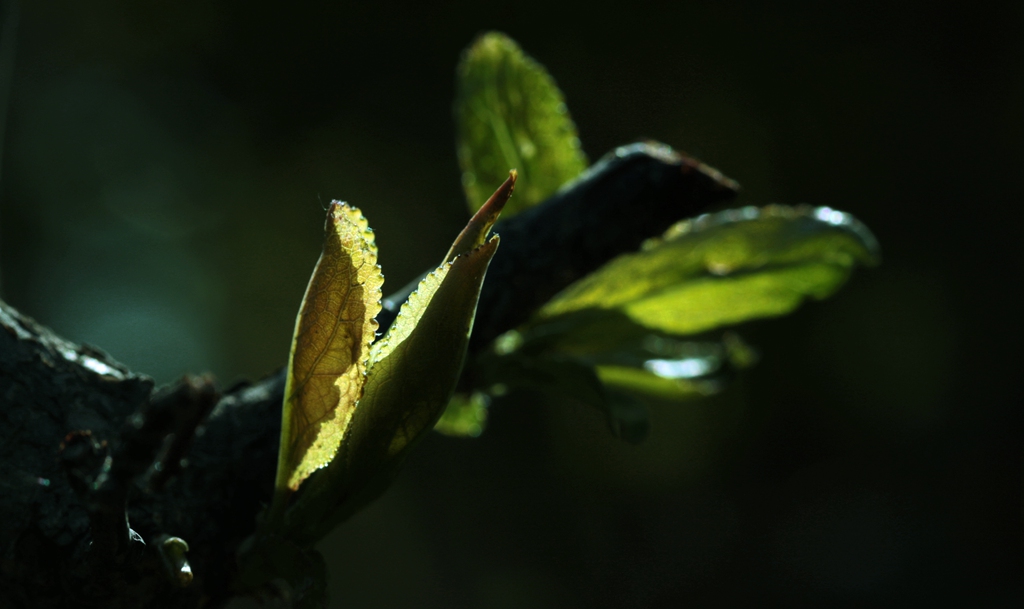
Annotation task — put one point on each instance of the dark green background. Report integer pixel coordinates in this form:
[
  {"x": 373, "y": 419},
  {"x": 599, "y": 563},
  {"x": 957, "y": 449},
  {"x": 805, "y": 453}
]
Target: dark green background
[{"x": 165, "y": 170}]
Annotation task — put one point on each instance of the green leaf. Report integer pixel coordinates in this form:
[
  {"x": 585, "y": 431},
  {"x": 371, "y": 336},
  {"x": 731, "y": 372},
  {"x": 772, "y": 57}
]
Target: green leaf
[
  {"x": 330, "y": 348},
  {"x": 725, "y": 268},
  {"x": 412, "y": 376},
  {"x": 465, "y": 416},
  {"x": 638, "y": 381},
  {"x": 510, "y": 114},
  {"x": 630, "y": 358}
]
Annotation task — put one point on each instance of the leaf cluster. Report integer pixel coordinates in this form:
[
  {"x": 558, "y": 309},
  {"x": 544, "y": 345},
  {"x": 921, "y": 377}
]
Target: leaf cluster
[{"x": 649, "y": 324}]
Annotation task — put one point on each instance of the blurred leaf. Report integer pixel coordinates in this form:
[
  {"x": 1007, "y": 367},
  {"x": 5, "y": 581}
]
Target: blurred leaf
[
  {"x": 627, "y": 318},
  {"x": 725, "y": 268},
  {"x": 331, "y": 346},
  {"x": 509, "y": 114},
  {"x": 740, "y": 354},
  {"x": 666, "y": 368},
  {"x": 632, "y": 359},
  {"x": 645, "y": 383},
  {"x": 465, "y": 415},
  {"x": 627, "y": 358}
]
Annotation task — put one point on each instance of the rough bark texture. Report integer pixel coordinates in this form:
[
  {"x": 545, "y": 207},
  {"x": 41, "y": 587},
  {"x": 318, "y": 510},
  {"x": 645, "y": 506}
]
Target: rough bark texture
[
  {"x": 49, "y": 388},
  {"x": 79, "y": 432}
]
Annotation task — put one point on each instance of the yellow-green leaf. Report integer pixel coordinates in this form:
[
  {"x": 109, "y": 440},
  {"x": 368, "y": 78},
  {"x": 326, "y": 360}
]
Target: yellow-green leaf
[
  {"x": 725, "y": 268},
  {"x": 411, "y": 375},
  {"x": 411, "y": 378},
  {"x": 330, "y": 348},
  {"x": 465, "y": 415},
  {"x": 510, "y": 114},
  {"x": 630, "y": 358},
  {"x": 645, "y": 383}
]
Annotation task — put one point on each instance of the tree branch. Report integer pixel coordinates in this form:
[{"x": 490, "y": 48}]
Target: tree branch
[{"x": 78, "y": 430}]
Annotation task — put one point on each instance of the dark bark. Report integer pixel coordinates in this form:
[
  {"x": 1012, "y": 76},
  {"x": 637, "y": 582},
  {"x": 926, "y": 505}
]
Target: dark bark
[
  {"x": 635, "y": 192},
  {"x": 93, "y": 481},
  {"x": 63, "y": 547}
]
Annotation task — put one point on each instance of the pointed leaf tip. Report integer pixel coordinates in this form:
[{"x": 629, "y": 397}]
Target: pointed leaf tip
[
  {"x": 475, "y": 233},
  {"x": 412, "y": 374}
]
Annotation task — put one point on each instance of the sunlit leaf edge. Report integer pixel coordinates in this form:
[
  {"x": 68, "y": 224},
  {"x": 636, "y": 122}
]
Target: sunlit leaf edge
[
  {"x": 619, "y": 285},
  {"x": 380, "y": 434},
  {"x": 349, "y": 241}
]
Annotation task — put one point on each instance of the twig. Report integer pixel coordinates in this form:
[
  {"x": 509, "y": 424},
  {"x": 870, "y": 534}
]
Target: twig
[{"x": 190, "y": 404}]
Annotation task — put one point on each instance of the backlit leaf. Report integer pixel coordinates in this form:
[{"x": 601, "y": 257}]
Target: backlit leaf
[
  {"x": 510, "y": 114},
  {"x": 725, "y": 268},
  {"x": 331, "y": 346},
  {"x": 411, "y": 379},
  {"x": 627, "y": 357},
  {"x": 629, "y": 379},
  {"x": 411, "y": 376},
  {"x": 465, "y": 415}
]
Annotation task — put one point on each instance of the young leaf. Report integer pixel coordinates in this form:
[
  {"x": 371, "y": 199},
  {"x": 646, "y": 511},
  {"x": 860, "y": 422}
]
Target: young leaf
[
  {"x": 412, "y": 373},
  {"x": 464, "y": 416},
  {"x": 411, "y": 378},
  {"x": 510, "y": 113},
  {"x": 627, "y": 357},
  {"x": 726, "y": 268},
  {"x": 330, "y": 348},
  {"x": 633, "y": 193},
  {"x": 479, "y": 226}
]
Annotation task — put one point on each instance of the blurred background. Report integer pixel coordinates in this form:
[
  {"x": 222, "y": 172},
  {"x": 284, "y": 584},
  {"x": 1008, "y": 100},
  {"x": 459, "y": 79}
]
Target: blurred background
[{"x": 165, "y": 170}]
